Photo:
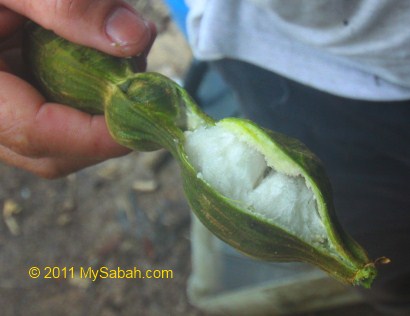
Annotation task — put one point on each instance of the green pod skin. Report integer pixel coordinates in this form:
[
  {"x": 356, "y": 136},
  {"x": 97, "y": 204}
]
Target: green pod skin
[
  {"x": 141, "y": 119},
  {"x": 147, "y": 111},
  {"x": 257, "y": 238},
  {"x": 69, "y": 74},
  {"x": 144, "y": 100}
]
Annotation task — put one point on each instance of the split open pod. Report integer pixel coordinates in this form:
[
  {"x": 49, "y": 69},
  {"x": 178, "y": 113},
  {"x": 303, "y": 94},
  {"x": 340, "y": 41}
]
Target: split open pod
[{"x": 263, "y": 193}]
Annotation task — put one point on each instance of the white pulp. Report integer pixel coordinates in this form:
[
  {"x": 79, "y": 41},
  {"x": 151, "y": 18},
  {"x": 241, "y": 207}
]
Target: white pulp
[{"x": 239, "y": 172}]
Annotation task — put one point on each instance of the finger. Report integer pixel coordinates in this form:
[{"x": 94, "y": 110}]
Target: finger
[
  {"x": 49, "y": 168},
  {"x": 112, "y": 26},
  {"x": 140, "y": 62},
  {"x": 9, "y": 22},
  {"x": 33, "y": 128}
]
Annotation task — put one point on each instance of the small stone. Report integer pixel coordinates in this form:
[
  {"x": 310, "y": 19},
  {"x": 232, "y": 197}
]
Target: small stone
[
  {"x": 80, "y": 282},
  {"x": 11, "y": 208},
  {"x": 109, "y": 170},
  {"x": 145, "y": 185},
  {"x": 64, "y": 219},
  {"x": 68, "y": 205},
  {"x": 25, "y": 193}
]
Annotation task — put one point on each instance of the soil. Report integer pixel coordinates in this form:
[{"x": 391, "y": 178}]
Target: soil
[
  {"x": 127, "y": 212},
  {"x": 124, "y": 213}
]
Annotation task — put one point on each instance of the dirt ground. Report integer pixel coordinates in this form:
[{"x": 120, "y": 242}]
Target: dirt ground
[{"x": 127, "y": 212}]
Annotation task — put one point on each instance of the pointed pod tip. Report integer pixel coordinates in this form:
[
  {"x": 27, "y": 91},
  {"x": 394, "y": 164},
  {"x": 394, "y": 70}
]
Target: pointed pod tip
[{"x": 365, "y": 276}]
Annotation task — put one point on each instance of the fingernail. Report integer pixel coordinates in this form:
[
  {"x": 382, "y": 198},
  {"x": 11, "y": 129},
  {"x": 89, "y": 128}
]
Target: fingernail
[{"x": 125, "y": 28}]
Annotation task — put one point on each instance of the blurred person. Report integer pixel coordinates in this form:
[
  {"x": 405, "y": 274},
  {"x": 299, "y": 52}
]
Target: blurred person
[{"x": 336, "y": 75}]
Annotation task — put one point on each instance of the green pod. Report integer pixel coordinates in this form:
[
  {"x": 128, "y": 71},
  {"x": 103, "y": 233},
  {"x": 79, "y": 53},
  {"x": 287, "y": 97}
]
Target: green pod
[
  {"x": 236, "y": 223},
  {"x": 70, "y": 82},
  {"x": 146, "y": 114},
  {"x": 238, "y": 177},
  {"x": 98, "y": 83}
]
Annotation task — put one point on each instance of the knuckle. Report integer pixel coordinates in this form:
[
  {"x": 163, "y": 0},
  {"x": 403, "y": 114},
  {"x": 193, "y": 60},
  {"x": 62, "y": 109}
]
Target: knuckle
[
  {"x": 66, "y": 9},
  {"x": 49, "y": 170},
  {"x": 71, "y": 9},
  {"x": 57, "y": 12},
  {"x": 16, "y": 138},
  {"x": 17, "y": 132},
  {"x": 24, "y": 149}
]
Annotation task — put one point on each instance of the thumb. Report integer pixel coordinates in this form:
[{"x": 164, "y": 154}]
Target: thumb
[{"x": 112, "y": 26}]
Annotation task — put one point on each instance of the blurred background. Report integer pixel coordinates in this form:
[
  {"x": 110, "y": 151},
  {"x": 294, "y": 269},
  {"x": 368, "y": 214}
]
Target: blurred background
[{"x": 126, "y": 212}]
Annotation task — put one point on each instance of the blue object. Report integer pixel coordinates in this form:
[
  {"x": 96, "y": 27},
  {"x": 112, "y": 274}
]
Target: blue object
[{"x": 179, "y": 12}]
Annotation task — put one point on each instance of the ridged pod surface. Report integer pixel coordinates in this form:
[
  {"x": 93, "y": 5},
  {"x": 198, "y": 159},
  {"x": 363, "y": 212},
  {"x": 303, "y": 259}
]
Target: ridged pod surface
[{"x": 147, "y": 111}]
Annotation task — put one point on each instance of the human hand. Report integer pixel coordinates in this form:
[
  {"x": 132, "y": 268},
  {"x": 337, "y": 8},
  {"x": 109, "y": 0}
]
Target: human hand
[{"x": 49, "y": 139}]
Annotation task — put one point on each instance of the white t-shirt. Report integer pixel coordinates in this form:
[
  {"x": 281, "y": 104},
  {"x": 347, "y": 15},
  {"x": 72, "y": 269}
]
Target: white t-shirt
[{"x": 353, "y": 48}]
